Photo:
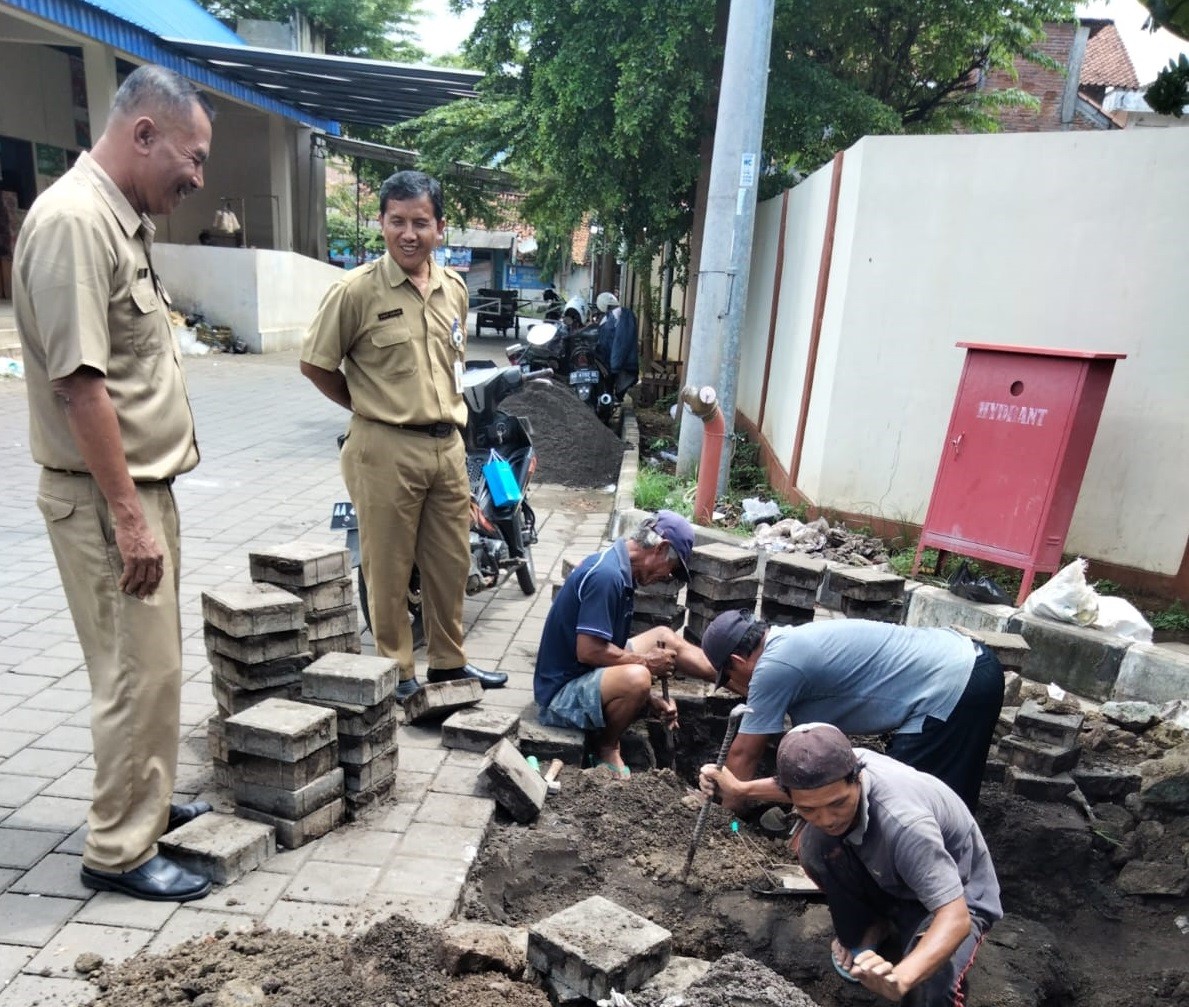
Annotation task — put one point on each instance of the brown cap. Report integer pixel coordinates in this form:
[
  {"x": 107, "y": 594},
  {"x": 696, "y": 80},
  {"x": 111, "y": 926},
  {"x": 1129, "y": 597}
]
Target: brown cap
[{"x": 812, "y": 756}]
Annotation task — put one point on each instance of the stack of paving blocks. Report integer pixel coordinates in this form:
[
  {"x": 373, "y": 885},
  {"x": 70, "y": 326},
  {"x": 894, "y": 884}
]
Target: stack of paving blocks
[
  {"x": 790, "y": 588},
  {"x": 257, "y": 644},
  {"x": 320, "y": 576},
  {"x": 721, "y": 578},
  {"x": 359, "y": 690},
  {"x": 657, "y": 605},
  {"x": 1041, "y": 751},
  {"x": 285, "y": 769},
  {"x": 868, "y": 593}
]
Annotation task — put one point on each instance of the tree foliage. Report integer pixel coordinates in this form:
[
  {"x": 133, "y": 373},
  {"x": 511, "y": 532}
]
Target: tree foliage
[
  {"x": 374, "y": 29},
  {"x": 599, "y": 107},
  {"x": 1169, "y": 92}
]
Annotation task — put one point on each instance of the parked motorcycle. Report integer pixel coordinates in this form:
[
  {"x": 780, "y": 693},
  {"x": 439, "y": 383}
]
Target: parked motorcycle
[
  {"x": 500, "y": 465},
  {"x": 570, "y": 352}
]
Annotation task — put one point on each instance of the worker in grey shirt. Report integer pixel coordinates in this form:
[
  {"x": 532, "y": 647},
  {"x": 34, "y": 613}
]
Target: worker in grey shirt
[
  {"x": 900, "y": 859},
  {"x": 938, "y": 692}
]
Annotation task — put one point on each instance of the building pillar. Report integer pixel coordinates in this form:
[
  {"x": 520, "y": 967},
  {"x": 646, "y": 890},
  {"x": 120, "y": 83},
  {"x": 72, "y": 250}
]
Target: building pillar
[
  {"x": 280, "y": 161},
  {"x": 99, "y": 66}
]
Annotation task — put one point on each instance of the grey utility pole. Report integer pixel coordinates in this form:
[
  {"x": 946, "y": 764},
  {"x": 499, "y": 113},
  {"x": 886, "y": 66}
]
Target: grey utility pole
[{"x": 730, "y": 219}]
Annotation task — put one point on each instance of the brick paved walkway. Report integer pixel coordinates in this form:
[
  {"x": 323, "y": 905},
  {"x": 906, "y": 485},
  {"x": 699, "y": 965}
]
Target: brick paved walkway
[{"x": 269, "y": 474}]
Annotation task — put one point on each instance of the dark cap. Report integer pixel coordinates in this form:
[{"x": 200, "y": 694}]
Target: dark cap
[
  {"x": 812, "y": 756},
  {"x": 679, "y": 533},
  {"x": 721, "y": 638}
]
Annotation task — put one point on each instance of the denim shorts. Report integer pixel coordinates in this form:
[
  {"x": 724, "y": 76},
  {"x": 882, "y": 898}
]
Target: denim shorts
[{"x": 578, "y": 703}]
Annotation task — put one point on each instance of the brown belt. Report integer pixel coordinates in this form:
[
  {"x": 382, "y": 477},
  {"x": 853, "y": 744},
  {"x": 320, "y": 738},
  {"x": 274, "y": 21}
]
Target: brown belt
[
  {"x": 168, "y": 481},
  {"x": 433, "y": 429}
]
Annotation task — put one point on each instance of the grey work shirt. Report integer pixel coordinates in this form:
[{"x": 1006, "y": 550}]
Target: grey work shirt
[{"x": 919, "y": 841}]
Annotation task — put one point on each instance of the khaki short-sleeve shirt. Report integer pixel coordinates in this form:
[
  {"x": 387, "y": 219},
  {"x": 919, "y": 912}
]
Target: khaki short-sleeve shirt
[
  {"x": 399, "y": 351},
  {"x": 85, "y": 295}
]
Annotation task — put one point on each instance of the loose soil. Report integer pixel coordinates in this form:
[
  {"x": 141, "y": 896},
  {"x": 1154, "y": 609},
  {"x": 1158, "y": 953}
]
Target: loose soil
[
  {"x": 1069, "y": 937},
  {"x": 573, "y": 447}
]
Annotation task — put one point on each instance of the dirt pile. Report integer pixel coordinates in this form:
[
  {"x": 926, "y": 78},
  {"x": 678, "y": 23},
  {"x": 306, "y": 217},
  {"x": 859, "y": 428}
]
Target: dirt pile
[{"x": 573, "y": 447}]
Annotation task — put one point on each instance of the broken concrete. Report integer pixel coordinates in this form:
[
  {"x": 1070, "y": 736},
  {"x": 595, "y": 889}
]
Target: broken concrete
[
  {"x": 1165, "y": 781},
  {"x": 219, "y": 847},
  {"x": 468, "y": 946},
  {"x": 517, "y": 787}
]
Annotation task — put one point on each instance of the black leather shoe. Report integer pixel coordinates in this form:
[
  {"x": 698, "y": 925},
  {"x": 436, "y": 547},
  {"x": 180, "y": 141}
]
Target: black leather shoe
[
  {"x": 180, "y": 814},
  {"x": 156, "y": 880},
  {"x": 487, "y": 679},
  {"x": 406, "y": 688}
]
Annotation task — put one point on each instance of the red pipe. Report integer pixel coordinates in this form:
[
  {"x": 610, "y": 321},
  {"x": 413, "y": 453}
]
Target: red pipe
[{"x": 703, "y": 402}]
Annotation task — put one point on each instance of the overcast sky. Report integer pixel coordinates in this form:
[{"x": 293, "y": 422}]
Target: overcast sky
[{"x": 442, "y": 32}]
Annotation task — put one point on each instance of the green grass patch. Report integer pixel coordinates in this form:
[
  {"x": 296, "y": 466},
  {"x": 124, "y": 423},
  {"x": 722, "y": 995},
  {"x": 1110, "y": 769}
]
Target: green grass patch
[
  {"x": 657, "y": 490},
  {"x": 1174, "y": 619}
]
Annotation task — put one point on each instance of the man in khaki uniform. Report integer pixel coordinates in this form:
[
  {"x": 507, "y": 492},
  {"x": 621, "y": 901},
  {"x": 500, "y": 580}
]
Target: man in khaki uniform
[
  {"x": 397, "y": 328},
  {"x": 111, "y": 426}
]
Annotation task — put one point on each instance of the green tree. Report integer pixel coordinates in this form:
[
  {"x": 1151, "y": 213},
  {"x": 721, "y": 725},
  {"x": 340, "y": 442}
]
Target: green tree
[
  {"x": 352, "y": 216},
  {"x": 1168, "y": 94},
  {"x": 375, "y": 29}
]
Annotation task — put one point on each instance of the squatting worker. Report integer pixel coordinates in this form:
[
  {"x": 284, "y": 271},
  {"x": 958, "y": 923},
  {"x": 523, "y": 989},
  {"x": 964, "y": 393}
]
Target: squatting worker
[
  {"x": 899, "y": 858},
  {"x": 938, "y": 692},
  {"x": 111, "y": 426},
  {"x": 589, "y": 674},
  {"x": 397, "y": 329}
]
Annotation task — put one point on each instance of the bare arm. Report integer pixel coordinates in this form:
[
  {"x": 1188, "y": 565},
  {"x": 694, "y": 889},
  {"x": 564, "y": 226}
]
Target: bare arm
[
  {"x": 332, "y": 384},
  {"x": 735, "y": 784},
  {"x": 950, "y": 927},
  {"x": 96, "y": 431}
]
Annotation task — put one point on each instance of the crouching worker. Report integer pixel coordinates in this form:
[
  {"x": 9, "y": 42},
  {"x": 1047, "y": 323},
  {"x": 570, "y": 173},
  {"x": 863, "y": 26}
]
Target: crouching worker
[
  {"x": 589, "y": 674},
  {"x": 897, "y": 854}
]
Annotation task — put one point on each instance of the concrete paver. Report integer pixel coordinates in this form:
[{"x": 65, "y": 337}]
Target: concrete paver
[{"x": 261, "y": 484}]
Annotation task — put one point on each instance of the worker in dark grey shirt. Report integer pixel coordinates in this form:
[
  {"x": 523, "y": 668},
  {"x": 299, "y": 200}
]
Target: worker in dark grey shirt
[{"x": 897, "y": 854}]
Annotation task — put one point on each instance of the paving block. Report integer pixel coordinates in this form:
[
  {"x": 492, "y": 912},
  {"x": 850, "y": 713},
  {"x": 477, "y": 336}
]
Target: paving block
[
  {"x": 252, "y": 609},
  {"x": 336, "y": 622},
  {"x": 704, "y": 608},
  {"x": 517, "y": 787},
  {"x": 281, "y": 729},
  {"x": 1084, "y": 661},
  {"x": 865, "y": 583},
  {"x": 477, "y": 729},
  {"x": 353, "y": 679},
  {"x": 1038, "y": 757},
  {"x": 356, "y": 721},
  {"x": 216, "y": 739},
  {"x": 381, "y": 768},
  {"x": 1107, "y": 783},
  {"x": 1035, "y": 723},
  {"x": 290, "y": 803},
  {"x": 360, "y": 751},
  {"x": 232, "y": 699},
  {"x": 791, "y": 596},
  {"x": 723, "y": 561},
  {"x": 548, "y": 743},
  {"x": 675, "y": 620},
  {"x": 295, "y": 833},
  {"x": 936, "y": 606},
  {"x": 437, "y": 700},
  {"x": 791, "y": 569},
  {"x": 256, "y": 649},
  {"x": 643, "y": 605},
  {"x": 300, "y": 564},
  {"x": 269, "y": 772},
  {"x": 348, "y": 643},
  {"x": 1011, "y": 648},
  {"x": 1036, "y": 787},
  {"x": 875, "y": 611},
  {"x": 740, "y": 590},
  {"x": 221, "y": 772},
  {"x": 1152, "y": 673},
  {"x": 662, "y": 589},
  {"x": 325, "y": 596},
  {"x": 596, "y": 946},
  {"x": 359, "y": 801},
  {"x": 263, "y": 675},
  {"x": 784, "y": 615},
  {"x": 220, "y": 847}
]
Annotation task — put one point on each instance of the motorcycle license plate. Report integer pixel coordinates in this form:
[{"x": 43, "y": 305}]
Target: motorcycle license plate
[{"x": 587, "y": 376}]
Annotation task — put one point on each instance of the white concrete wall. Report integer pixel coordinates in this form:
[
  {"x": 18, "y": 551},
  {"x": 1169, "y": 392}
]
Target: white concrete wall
[
  {"x": 1071, "y": 240},
  {"x": 268, "y": 298}
]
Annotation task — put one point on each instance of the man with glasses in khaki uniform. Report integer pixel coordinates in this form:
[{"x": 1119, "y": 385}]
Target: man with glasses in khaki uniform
[
  {"x": 111, "y": 426},
  {"x": 397, "y": 329}
]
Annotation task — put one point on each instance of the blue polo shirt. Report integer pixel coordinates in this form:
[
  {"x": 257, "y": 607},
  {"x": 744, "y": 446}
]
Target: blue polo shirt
[{"x": 597, "y": 599}]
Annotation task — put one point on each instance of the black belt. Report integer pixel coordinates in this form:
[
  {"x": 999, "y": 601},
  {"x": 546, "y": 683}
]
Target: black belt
[
  {"x": 168, "y": 481},
  {"x": 433, "y": 429}
]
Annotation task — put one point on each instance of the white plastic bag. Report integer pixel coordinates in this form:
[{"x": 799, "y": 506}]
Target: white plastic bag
[
  {"x": 1119, "y": 617},
  {"x": 1066, "y": 597}
]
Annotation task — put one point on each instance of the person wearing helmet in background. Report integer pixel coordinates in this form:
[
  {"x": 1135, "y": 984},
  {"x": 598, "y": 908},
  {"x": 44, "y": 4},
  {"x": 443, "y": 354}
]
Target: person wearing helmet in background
[{"x": 619, "y": 343}]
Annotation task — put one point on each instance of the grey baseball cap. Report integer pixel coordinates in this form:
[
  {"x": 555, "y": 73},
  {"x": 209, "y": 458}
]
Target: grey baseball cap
[
  {"x": 721, "y": 638},
  {"x": 812, "y": 756}
]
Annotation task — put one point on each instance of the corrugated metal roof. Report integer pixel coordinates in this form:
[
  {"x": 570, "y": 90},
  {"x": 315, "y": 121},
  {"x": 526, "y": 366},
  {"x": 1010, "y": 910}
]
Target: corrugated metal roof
[{"x": 170, "y": 19}]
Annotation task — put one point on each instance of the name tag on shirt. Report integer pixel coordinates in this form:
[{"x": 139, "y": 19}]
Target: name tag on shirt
[
  {"x": 383, "y": 316},
  {"x": 458, "y": 376}
]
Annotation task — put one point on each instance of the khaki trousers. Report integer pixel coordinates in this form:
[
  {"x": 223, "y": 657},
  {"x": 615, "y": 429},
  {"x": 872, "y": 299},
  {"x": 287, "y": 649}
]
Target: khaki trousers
[
  {"x": 133, "y": 650},
  {"x": 413, "y": 500}
]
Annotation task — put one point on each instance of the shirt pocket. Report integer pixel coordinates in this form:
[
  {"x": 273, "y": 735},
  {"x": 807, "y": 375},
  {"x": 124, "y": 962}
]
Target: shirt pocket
[
  {"x": 397, "y": 353},
  {"x": 144, "y": 321}
]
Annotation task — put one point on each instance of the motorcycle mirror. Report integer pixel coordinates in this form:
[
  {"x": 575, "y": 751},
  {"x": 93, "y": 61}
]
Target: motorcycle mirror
[{"x": 541, "y": 335}]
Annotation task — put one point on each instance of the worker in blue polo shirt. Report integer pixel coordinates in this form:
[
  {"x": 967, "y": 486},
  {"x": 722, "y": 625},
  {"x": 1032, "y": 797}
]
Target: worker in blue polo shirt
[{"x": 590, "y": 675}]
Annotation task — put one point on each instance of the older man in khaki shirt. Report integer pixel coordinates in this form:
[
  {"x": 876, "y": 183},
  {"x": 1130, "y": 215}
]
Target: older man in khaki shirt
[
  {"x": 111, "y": 426},
  {"x": 397, "y": 328}
]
